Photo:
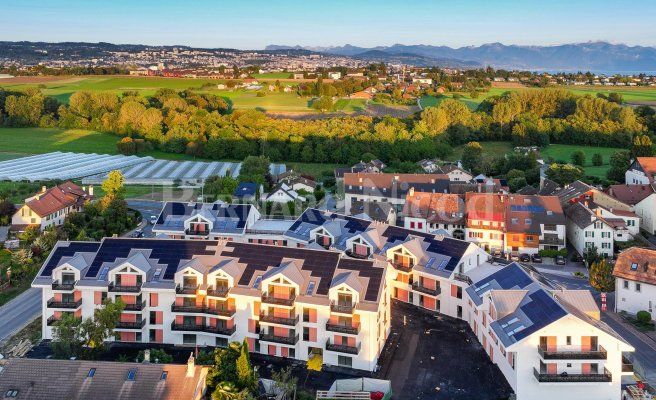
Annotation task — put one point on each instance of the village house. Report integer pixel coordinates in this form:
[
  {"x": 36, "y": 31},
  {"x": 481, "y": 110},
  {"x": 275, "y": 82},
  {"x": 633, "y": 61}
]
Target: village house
[
  {"x": 50, "y": 207},
  {"x": 635, "y": 281},
  {"x": 641, "y": 172},
  {"x": 642, "y": 200}
]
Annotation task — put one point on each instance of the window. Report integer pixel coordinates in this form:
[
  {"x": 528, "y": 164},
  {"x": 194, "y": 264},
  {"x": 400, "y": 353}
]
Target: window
[
  {"x": 569, "y": 340},
  {"x": 189, "y": 339},
  {"x": 344, "y": 361},
  {"x": 306, "y": 334},
  {"x": 131, "y": 375},
  {"x": 11, "y": 393},
  {"x": 637, "y": 287},
  {"x": 91, "y": 373},
  {"x": 153, "y": 318},
  {"x": 223, "y": 342},
  {"x": 626, "y": 284},
  {"x": 164, "y": 375}
]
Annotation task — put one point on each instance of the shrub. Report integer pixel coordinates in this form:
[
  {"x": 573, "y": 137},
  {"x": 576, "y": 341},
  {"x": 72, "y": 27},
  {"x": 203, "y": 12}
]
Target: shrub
[
  {"x": 552, "y": 253},
  {"x": 597, "y": 160},
  {"x": 578, "y": 158},
  {"x": 644, "y": 317}
]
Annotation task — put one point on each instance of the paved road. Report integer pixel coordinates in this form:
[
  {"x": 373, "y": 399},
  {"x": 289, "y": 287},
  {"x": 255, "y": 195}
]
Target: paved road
[
  {"x": 19, "y": 312},
  {"x": 147, "y": 209}
]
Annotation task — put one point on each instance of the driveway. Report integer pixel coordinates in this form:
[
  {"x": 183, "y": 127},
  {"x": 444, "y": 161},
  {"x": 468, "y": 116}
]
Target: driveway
[
  {"x": 19, "y": 312},
  {"x": 147, "y": 208}
]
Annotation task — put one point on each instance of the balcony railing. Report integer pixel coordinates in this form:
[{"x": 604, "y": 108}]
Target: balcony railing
[
  {"x": 218, "y": 292},
  {"x": 346, "y": 329},
  {"x": 270, "y": 337},
  {"x": 131, "y": 324},
  {"x": 278, "y": 320},
  {"x": 197, "y": 232},
  {"x": 627, "y": 365},
  {"x": 342, "y": 348},
  {"x": 189, "y": 289},
  {"x": 52, "y": 320},
  {"x": 224, "y": 312},
  {"x": 353, "y": 254},
  {"x": 56, "y": 285},
  {"x": 462, "y": 278},
  {"x": 64, "y": 304},
  {"x": 565, "y": 377},
  {"x": 423, "y": 289},
  {"x": 136, "y": 306},
  {"x": 342, "y": 308},
  {"x": 188, "y": 327},
  {"x": 402, "y": 267},
  {"x": 219, "y": 330},
  {"x": 266, "y": 298},
  {"x": 125, "y": 288},
  {"x": 552, "y": 239},
  {"x": 572, "y": 354}
]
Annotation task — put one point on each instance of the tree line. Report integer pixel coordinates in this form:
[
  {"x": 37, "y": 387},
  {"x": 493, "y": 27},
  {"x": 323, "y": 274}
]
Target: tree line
[{"x": 203, "y": 124}]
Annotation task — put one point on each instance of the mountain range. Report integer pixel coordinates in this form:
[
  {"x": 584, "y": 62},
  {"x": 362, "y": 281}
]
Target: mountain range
[{"x": 591, "y": 56}]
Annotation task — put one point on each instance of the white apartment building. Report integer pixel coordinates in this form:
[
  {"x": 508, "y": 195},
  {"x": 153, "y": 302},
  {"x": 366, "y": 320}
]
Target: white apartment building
[
  {"x": 286, "y": 302},
  {"x": 586, "y": 229},
  {"x": 635, "y": 281},
  {"x": 641, "y": 199},
  {"x": 641, "y": 172},
  {"x": 548, "y": 343}
]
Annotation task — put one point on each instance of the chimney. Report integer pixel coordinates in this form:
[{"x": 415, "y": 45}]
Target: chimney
[
  {"x": 191, "y": 366},
  {"x": 479, "y": 188},
  {"x": 90, "y": 190},
  {"x": 146, "y": 356},
  {"x": 598, "y": 212},
  {"x": 411, "y": 192},
  {"x": 43, "y": 189}
]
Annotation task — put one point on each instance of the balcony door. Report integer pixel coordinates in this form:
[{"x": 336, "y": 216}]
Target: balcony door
[
  {"x": 589, "y": 343},
  {"x": 68, "y": 278},
  {"x": 548, "y": 343},
  {"x": 189, "y": 281},
  {"x": 344, "y": 299}
]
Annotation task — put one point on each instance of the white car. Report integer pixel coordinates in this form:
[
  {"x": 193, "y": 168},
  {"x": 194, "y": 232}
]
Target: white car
[{"x": 153, "y": 219}]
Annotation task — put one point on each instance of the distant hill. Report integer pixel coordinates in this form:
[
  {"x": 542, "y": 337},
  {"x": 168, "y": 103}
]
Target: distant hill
[{"x": 591, "y": 56}]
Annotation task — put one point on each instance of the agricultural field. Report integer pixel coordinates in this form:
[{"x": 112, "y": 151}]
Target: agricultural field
[{"x": 273, "y": 75}]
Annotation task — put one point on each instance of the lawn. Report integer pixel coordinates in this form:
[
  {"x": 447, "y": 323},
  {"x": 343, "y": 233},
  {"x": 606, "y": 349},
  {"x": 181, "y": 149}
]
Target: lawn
[
  {"x": 350, "y": 105},
  {"x": 563, "y": 152},
  {"x": 273, "y": 75},
  {"x": 489, "y": 149},
  {"x": 17, "y": 141}
]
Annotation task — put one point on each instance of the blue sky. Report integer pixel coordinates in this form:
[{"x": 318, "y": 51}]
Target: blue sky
[{"x": 252, "y": 24}]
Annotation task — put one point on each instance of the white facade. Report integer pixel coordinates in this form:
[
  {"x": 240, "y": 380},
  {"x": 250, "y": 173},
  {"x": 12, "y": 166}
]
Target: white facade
[
  {"x": 26, "y": 216},
  {"x": 598, "y": 234},
  {"x": 635, "y": 177},
  {"x": 632, "y": 296},
  {"x": 646, "y": 210}
]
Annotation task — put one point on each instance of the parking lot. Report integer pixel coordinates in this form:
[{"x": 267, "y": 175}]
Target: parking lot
[{"x": 437, "y": 357}]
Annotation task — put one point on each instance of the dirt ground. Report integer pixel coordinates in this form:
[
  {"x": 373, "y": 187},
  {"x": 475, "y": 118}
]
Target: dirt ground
[{"x": 508, "y": 85}]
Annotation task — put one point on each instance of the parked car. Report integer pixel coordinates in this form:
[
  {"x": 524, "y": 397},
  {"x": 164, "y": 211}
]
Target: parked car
[
  {"x": 560, "y": 260},
  {"x": 536, "y": 258},
  {"x": 497, "y": 253},
  {"x": 153, "y": 219},
  {"x": 137, "y": 234},
  {"x": 524, "y": 258},
  {"x": 514, "y": 257}
]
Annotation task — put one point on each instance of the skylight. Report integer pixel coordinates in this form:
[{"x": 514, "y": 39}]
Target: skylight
[
  {"x": 256, "y": 285},
  {"x": 131, "y": 375},
  {"x": 91, "y": 373},
  {"x": 634, "y": 267},
  {"x": 165, "y": 374},
  {"x": 310, "y": 288}
]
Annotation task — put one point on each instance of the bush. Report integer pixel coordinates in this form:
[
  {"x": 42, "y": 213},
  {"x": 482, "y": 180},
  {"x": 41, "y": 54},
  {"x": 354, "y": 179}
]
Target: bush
[
  {"x": 552, "y": 253},
  {"x": 644, "y": 317},
  {"x": 578, "y": 158},
  {"x": 597, "y": 160}
]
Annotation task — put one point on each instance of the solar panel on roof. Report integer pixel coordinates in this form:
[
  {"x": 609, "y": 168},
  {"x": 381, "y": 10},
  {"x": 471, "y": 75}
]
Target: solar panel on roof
[
  {"x": 429, "y": 263},
  {"x": 443, "y": 264},
  {"x": 256, "y": 284},
  {"x": 310, "y": 288}
]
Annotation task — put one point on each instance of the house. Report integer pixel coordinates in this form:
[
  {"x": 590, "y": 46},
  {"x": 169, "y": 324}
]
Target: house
[
  {"x": 625, "y": 223},
  {"x": 45, "y": 379},
  {"x": 587, "y": 229},
  {"x": 422, "y": 81},
  {"x": 336, "y": 75},
  {"x": 635, "y": 281},
  {"x": 392, "y": 188},
  {"x": 429, "y": 166},
  {"x": 373, "y": 166},
  {"x": 455, "y": 173},
  {"x": 282, "y": 193},
  {"x": 641, "y": 172},
  {"x": 50, "y": 207},
  {"x": 245, "y": 191},
  {"x": 297, "y": 182},
  {"x": 287, "y": 302},
  {"x": 533, "y": 223},
  {"x": 641, "y": 199},
  {"x": 548, "y": 343},
  {"x": 374, "y": 211},
  {"x": 428, "y": 212},
  {"x": 486, "y": 220},
  {"x": 298, "y": 75}
]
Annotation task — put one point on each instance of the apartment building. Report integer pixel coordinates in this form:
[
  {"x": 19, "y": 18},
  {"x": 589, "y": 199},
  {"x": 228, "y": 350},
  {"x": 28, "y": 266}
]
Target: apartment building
[
  {"x": 486, "y": 220},
  {"x": 428, "y": 270},
  {"x": 587, "y": 229},
  {"x": 50, "y": 207},
  {"x": 641, "y": 172},
  {"x": 641, "y": 199},
  {"x": 391, "y": 188},
  {"x": 287, "y": 302},
  {"x": 430, "y": 212},
  {"x": 548, "y": 343},
  {"x": 235, "y": 222},
  {"x": 533, "y": 223},
  {"x": 635, "y": 281}
]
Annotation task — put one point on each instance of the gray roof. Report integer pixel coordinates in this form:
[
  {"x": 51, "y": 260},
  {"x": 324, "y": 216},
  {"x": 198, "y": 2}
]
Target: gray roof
[{"x": 225, "y": 218}]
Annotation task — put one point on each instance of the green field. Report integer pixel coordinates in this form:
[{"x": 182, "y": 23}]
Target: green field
[
  {"x": 563, "y": 152},
  {"x": 490, "y": 149},
  {"x": 350, "y": 105},
  {"x": 273, "y": 75}
]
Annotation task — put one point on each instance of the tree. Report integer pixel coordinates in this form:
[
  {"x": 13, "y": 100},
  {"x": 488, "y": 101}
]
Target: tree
[
  {"x": 245, "y": 374},
  {"x": 619, "y": 163},
  {"x": 601, "y": 276},
  {"x": 254, "y": 169},
  {"x": 323, "y": 103},
  {"x": 591, "y": 255},
  {"x": 564, "y": 174},
  {"x": 113, "y": 187},
  {"x": 285, "y": 381},
  {"x": 216, "y": 185},
  {"x": 472, "y": 156},
  {"x": 597, "y": 160},
  {"x": 66, "y": 337},
  {"x": 578, "y": 158},
  {"x": 642, "y": 146}
]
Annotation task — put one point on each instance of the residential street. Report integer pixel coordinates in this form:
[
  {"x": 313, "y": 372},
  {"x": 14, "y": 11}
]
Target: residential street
[{"x": 19, "y": 312}]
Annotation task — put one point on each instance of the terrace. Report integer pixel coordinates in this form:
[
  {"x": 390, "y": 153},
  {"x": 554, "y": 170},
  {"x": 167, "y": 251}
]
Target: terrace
[
  {"x": 571, "y": 353},
  {"x": 579, "y": 378}
]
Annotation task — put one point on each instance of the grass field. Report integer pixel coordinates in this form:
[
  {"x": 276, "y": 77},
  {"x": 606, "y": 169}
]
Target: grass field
[
  {"x": 350, "y": 105},
  {"x": 489, "y": 149},
  {"x": 563, "y": 152},
  {"x": 273, "y": 75}
]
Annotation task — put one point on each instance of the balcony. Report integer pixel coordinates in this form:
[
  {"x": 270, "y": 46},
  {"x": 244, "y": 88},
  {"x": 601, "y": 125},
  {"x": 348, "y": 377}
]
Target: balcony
[
  {"x": 188, "y": 327},
  {"x": 188, "y": 309},
  {"x": 270, "y": 337},
  {"x": 67, "y": 286},
  {"x": 565, "y": 377},
  {"x": 131, "y": 325},
  {"x": 71, "y": 305},
  {"x": 423, "y": 289},
  {"x": 627, "y": 365},
  {"x": 52, "y": 320},
  {"x": 266, "y": 298},
  {"x": 401, "y": 267},
  {"x": 342, "y": 348},
  {"x": 572, "y": 354},
  {"x": 462, "y": 278},
  {"x": 135, "y": 307},
  {"x": 552, "y": 239},
  {"x": 345, "y": 329},
  {"x": 278, "y": 320},
  {"x": 197, "y": 232},
  {"x": 114, "y": 288},
  {"x": 221, "y": 292},
  {"x": 187, "y": 289},
  {"x": 219, "y": 330},
  {"x": 222, "y": 312},
  {"x": 342, "y": 308},
  {"x": 353, "y": 254}
]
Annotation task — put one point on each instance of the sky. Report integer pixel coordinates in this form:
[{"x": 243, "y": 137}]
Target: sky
[{"x": 253, "y": 24}]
